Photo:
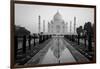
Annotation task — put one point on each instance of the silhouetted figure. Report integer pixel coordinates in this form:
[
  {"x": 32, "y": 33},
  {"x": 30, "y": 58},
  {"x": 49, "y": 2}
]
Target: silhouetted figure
[{"x": 40, "y": 38}]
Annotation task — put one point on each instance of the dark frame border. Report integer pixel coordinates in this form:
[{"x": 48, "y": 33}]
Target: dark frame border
[{"x": 12, "y": 7}]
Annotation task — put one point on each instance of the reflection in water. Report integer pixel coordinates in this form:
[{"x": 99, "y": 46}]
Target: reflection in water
[
  {"x": 57, "y": 48},
  {"x": 49, "y": 58},
  {"x": 57, "y": 53}
]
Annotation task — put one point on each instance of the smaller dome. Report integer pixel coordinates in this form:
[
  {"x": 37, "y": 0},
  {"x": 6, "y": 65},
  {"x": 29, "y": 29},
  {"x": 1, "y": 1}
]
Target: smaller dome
[{"x": 57, "y": 16}]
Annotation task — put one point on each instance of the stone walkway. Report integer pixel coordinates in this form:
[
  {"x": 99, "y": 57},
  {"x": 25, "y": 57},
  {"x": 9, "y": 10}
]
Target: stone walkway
[
  {"x": 39, "y": 56},
  {"x": 57, "y": 51},
  {"x": 76, "y": 54}
]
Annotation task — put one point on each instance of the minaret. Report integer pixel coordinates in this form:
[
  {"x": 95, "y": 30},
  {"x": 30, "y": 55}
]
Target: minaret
[
  {"x": 39, "y": 23},
  {"x": 43, "y": 26},
  {"x": 70, "y": 27},
  {"x": 74, "y": 25}
]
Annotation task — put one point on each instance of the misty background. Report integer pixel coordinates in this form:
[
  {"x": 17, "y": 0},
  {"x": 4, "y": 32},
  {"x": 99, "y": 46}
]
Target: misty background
[{"x": 27, "y": 15}]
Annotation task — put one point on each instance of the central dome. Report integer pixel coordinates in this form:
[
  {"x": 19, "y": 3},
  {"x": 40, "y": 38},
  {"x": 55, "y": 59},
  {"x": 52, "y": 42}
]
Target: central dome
[{"x": 58, "y": 16}]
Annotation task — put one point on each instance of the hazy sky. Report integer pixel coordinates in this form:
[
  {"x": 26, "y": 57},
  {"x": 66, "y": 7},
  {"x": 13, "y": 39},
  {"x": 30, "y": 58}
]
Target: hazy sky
[{"x": 27, "y": 15}]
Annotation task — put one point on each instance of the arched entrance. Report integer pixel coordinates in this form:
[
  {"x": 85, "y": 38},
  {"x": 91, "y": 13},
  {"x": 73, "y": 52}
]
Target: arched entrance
[{"x": 57, "y": 29}]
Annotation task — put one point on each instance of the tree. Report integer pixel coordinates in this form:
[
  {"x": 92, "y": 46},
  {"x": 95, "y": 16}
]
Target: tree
[
  {"x": 21, "y": 31},
  {"x": 79, "y": 31},
  {"x": 89, "y": 30}
]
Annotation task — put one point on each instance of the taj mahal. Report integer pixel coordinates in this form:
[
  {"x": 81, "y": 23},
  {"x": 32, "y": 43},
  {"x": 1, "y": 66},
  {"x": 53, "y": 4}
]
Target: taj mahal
[{"x": 57, "y": 25}]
